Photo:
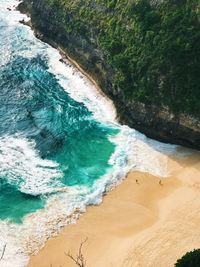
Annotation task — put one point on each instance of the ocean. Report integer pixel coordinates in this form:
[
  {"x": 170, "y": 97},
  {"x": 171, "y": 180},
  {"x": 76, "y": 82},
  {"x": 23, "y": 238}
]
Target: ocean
[{"x": 61, "y": 147}]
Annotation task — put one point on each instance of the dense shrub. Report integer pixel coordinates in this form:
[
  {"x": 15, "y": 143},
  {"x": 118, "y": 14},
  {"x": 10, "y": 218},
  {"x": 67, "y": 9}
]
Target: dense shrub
[
  {"x": 190, "y": 259},
  {"x": 152, "y": 46}
]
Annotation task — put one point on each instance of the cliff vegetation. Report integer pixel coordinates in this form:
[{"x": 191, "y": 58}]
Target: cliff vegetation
[
  {"x": 144, "y": 54},
  {"x": 153, "y": 47}
]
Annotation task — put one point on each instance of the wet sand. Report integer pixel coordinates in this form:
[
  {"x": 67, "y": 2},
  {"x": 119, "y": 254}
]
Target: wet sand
[{"x": 144, "y": 224}]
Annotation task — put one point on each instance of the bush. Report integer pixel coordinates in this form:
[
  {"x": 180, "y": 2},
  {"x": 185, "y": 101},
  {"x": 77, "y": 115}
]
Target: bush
[
  {"x": 190, "y": 259},
  {"x": 151, "y": 46}
]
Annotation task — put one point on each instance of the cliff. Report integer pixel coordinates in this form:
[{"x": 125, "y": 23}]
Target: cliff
[{"x": 74, "y": 26}]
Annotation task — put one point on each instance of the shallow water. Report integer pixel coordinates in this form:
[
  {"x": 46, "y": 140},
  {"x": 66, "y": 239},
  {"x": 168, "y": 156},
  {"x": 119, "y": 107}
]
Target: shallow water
[{"x": 60, "y": 146}]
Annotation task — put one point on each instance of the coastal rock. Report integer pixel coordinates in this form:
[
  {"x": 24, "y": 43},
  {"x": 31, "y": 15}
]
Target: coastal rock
[{"x": 156, "y": 122}]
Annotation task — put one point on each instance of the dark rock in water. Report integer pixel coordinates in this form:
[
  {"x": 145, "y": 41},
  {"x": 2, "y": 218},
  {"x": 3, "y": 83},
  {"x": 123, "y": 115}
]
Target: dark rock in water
[
  {"x": 62, "y": 60},
  {"x": 156, "y": 122},
  {"x": 27, "y": 23},
  {"x": 22, "y": 21}
]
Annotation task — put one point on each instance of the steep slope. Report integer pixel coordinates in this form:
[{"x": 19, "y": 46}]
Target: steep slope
[{"x": 144, "y": 55}]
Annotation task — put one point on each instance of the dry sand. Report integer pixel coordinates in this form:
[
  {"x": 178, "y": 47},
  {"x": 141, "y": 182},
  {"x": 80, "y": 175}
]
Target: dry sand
[{"x": 143, "y": 225}]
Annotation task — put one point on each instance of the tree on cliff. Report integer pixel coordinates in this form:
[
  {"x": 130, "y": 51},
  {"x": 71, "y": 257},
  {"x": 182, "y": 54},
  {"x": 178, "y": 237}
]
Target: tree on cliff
[
  {"x": 151, "y": 46},
  {"x": 144, "y": 54}
]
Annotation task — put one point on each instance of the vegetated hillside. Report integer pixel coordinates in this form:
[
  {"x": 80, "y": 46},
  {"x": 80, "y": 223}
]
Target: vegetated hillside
[{"x": 144, "y": 54}]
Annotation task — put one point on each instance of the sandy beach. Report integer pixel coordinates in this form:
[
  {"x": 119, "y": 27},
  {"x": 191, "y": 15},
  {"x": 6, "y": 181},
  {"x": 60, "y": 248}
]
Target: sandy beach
[{"x": 142, "y": 224}]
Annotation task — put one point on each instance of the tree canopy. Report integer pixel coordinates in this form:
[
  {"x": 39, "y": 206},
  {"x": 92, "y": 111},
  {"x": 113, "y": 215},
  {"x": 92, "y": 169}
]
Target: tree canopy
[
  {"x": 152, "y": 46},
  {"x": 190, "y": 259}
]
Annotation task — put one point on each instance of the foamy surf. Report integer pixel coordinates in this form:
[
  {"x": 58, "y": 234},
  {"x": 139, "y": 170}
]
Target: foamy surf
[
  {"x": 37, "y": 176},
  {"x": 68, "y": 76},
  {"x": 81, "y": 88},
  {"x": 31, "y": 174},
  {"x": 134, "y": 152}
]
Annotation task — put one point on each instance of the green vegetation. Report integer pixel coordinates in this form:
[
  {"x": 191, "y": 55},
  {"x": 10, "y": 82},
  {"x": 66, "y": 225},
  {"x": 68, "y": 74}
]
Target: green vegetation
[
  {"x": 152, "y": 46},
  {"x": 190, "y": 259}
]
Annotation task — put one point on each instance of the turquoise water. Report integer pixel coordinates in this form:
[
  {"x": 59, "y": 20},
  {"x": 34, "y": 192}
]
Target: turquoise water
[
  {"x": 47, "y": 139},
  {"x": 14, "y": 204}
]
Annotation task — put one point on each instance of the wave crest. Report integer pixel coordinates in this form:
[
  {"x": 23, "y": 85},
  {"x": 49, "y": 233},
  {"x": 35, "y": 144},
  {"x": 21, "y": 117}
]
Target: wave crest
[{"x": 21, "y": 166}]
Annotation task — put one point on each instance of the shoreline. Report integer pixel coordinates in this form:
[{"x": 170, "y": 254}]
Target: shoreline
[
  {"x": 138, "y": 224},
  {"x": 68, "y": 60},
  {"x": 77, "y": 66}
]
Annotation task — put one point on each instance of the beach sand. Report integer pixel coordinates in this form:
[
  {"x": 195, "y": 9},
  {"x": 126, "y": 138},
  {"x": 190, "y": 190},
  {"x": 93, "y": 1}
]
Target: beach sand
[{"x": 142, "y": 224}]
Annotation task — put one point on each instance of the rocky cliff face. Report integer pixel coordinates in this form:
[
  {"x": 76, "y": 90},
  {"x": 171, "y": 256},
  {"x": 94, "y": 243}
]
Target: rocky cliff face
[{"x": 158, "y": 123}]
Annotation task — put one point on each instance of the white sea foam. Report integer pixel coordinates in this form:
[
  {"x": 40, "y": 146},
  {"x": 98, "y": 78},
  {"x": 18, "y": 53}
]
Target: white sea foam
[
  {"x": 9, "y": 23},
  {"x": 73, "y": 81},
  {"x": 21, "y": 165},
  {"x": 133, "y": 152},
  {"x": 80, "y": 88},
  {"x": 142, "y": 154},
  {"x": 10, "y": 236}
]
